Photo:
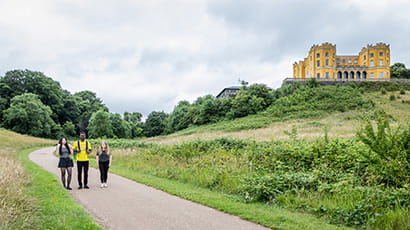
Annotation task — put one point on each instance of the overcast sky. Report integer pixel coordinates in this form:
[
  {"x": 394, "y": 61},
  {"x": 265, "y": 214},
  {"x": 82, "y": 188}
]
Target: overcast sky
[{"x": 141, "y": 56}]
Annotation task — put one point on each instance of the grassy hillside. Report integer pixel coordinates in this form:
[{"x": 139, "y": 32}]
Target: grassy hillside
[
  {"x": 31, "y": 198},
  {"x": 264, "y": 127},
  {"x": 307, "y": 159}
]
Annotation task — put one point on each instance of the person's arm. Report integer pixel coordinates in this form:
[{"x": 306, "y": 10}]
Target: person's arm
[
  {"x": 97, "y": 158},
  {"x": 109, "y": 165},
  {"x": 89, "y": 150},
  {"x": 75, "y": 147},
  {"x": 70, "y": 150},
  {"x": 58, "y": 149}
]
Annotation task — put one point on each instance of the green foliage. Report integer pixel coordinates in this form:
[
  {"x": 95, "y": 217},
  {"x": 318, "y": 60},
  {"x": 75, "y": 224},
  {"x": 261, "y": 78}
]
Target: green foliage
[
  {"x": 69, "y": 129},
  {"x": 399, "y": 70},
  {"x": 120, "y": 127},
  {"x": 402, "y": 91},
  {"x": 392, "y": 97},
  {"x": 100, "y": 125},
  {"x": 390, "y": 162},
  {"x": 307, "y": 102},
  {"x": 88, "y": 103},
  {"x": 28, "y": 115},
  {"x": 17, "y": 82},
  {"x": 155, "y": 124},
  {"x": 340, "y": 180},
  {"x": 383, "y": 91}
]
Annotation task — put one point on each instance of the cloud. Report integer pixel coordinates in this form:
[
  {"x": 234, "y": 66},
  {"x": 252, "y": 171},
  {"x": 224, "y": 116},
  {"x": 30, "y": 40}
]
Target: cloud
[{"x": 148, "y": 55}]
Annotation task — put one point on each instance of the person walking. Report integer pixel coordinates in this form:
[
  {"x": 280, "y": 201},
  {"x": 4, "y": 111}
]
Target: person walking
[
  {"x": 65, "y": 162},
  {"x": 103, "y": 159},
  {"x": 82, "y": 148}
]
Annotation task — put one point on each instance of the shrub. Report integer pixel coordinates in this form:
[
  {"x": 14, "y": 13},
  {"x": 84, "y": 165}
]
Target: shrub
[
  {"x": 392, "y": 97},
  {"x": 383, "y": 91},
  {"x": 402, "y": 92}
]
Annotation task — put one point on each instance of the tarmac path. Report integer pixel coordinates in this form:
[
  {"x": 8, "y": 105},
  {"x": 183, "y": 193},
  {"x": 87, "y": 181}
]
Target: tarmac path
[{"x": 126, "y": 204}]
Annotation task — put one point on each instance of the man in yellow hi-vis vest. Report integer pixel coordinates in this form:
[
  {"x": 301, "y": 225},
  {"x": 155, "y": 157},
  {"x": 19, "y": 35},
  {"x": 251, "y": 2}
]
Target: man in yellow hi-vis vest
[{"x": 82, "y": 148}]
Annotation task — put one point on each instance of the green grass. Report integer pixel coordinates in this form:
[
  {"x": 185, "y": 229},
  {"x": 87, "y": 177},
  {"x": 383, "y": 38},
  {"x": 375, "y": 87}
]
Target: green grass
[
  {"x": 273, "y": 217},
  {"x": 31, "y": 198},
  {"x": 57, "y": 209}
]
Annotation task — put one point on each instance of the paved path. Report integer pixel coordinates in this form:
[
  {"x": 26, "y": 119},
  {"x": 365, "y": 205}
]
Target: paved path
[{"x": 126, "y": 204}]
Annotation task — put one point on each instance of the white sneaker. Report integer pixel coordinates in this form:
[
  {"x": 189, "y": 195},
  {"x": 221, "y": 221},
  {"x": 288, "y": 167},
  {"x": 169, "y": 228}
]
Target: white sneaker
[
  {"x": 102, "y": 186},
  {"x": 106, "y": 185}
]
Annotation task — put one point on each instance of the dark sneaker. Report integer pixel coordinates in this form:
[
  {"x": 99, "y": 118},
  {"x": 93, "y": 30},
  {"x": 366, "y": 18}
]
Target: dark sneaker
[
  {"x": 80, "y": 187},
  {"x": 69, "y": 188},
  {"x": 86, "y": 187}
]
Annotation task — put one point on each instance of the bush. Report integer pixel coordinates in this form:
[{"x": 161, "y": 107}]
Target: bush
[
  {"x": 392, "y": 97},
  {"x": 383, "y": 91},
  {"x": 402, "y": 92}
]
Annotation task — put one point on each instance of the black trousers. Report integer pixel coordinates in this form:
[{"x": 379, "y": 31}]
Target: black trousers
[
  {"x": 103, "y": 165},
  {"x": 82, "y": 165}
]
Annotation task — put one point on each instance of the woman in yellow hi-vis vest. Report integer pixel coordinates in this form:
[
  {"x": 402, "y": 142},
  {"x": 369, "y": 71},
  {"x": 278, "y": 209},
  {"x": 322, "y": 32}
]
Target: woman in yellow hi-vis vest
[{"x": 81, "y": 149}]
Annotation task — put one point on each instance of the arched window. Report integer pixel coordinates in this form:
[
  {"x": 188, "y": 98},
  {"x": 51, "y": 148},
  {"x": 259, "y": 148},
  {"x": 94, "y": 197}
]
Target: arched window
[
  {"x": 346, "y": 75},
  {"x": 339, "y": 75},
  {"x": 358, "y": 75},
  {"x": 364, "y": 75},
  {"x": 351, "y": 75}
]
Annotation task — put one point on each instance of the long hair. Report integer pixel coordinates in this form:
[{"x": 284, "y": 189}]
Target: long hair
[
  {"x": 101, "y": 148},
  {"x": 61, "y": 145}
]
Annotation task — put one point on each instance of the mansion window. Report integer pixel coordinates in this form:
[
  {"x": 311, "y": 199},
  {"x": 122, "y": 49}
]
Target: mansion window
[
  {"x": 364, "y": 57},
  {"x": 381, "y": 54},
  {"x": 327, "y": 54},
  {"x": 327, "y": 74},
  {"x": 317, "y": 63},
  {"x": 318, "y": 55},
  {"x": 371, "y": 63},
  {"x": 371, "y": 55},
  {"x": 371, "y": 75},
  {"x": 327, "y": 62},
  {"x": 381, "y": 63},
  {"x": 338, "y": 60},
  {"x": 344, "y": 61},
  {"x": 318, "y": 75},
  {"x": 349, "y": 61},
  {"x": 381, "y": 75}
]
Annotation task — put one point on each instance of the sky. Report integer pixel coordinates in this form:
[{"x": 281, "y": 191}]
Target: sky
[{"x": 144, "y": 56}]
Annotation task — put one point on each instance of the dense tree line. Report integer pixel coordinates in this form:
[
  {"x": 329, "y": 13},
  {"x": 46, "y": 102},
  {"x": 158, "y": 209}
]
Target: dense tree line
[{"x": 34, "y": 104}]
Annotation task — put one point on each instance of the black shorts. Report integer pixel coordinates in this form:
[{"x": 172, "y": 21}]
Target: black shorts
[{"x": 65, "y": 163}]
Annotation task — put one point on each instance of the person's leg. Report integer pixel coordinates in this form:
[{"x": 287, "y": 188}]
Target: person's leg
[
  {"x": 106, "y": 171},
  {"x": 63, "y": 176},
  {"x": 86, "y": 164},
  {"x": 79, "y": 170},
  {"x": 101, "y": 167},
  {"x": 69, "y": 172}
]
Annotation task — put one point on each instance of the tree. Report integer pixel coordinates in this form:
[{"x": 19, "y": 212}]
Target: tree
[
  {"x": 17, "y": 82},
  {"x": 121, "y": 128},
  {"x": 399, "y": 70},
  {"x": 88, "y": 103},
  {"x": 100, "y": 125},
  {"x": 28, "y": 115},
  {"x": 135, "y": 123},
  {"x": 155, "y": 124},
  {"x": 69, "y": 129},
  {"x": 179, "y": 118}
]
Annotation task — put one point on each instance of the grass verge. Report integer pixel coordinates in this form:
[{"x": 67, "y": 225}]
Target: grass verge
[{"x": 55, "y": 208}]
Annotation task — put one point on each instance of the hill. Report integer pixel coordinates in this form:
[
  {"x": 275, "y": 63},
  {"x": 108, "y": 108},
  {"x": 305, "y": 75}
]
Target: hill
[{"x": 264, "y": 127}]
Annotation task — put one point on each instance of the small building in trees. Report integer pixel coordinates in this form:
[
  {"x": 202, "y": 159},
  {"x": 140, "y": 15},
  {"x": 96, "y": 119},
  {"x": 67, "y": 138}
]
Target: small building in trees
[{"x": 229, "y": 92}]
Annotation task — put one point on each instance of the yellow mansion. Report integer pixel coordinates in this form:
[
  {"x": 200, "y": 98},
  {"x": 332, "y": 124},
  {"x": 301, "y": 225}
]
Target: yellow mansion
[{"x": 372, "y": 63}]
